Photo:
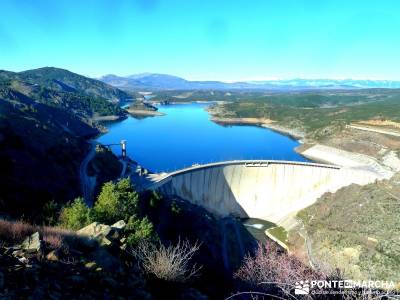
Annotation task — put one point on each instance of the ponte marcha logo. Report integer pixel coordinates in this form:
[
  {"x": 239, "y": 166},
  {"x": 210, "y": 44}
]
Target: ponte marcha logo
[
  {"x": 305, "y": 287},
  {"x": 302, "y": 287}
]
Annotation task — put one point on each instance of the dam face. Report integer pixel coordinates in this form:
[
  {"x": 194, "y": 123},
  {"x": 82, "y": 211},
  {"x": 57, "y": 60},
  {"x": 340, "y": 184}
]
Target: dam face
[{"x": 268, "y": 190}]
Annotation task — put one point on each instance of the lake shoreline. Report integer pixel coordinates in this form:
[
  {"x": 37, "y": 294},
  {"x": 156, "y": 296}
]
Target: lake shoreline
[
  {"x": 223, "y": 121},
  {"x": 192, "y": 123},
  {"x": 260, "y": 122}
]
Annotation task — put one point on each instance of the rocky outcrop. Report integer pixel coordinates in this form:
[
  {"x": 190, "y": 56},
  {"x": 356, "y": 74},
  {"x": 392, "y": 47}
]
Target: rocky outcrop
[
  {"x": 104, "y": 234},
  {"x": 72, "y": 277},
  {"x": 32, "y": 243},
  {"x": 78, "y": 266}
]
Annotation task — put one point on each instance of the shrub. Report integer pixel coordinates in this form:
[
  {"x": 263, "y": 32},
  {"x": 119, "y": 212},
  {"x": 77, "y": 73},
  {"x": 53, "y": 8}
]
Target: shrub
[
  {"x": 155, "y": 199},
  {"x": 116, "y": 201},
  {"x": 175, "y": 208},
  {"x": 139, "y": 230},
  {"x": 172, "y": 263},
  {"x": 75, "y": 215},
  {"x": 50, "y": 213}
]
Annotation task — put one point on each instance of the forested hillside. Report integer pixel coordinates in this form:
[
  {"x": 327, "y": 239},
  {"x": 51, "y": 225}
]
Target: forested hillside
[{"x": 43, "y": 131}]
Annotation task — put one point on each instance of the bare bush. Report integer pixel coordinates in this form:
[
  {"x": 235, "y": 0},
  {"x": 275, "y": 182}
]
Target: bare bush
[
  {"x": 170, "y": 263},
  {"x": 270, "y": 267}
]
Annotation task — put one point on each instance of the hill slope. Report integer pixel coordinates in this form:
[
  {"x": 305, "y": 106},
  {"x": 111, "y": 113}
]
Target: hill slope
[
  {"x": 43, "y": 132},
  {"x": 40, "y": 149},
  {"x": 357, "y": 229},
  {"x": 65, "y": 81}
]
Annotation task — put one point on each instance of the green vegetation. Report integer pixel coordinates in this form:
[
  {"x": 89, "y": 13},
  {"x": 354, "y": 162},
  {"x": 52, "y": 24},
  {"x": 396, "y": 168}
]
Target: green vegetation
[
  {"x": 279, "y": 233},
  {"x": 204, "y": 95},
  {"x": 75, "y": 215},
  {"x": 175, "y": 208},
  {"x": 139, "y": 230},
  {"x": 66, "y": 81},
  {"x": 49, "y": 213},
  {"x": 317, "y": 114},
  {"x": 59, "y": 88},
  {"x": 155, "y": 200},
  {"x": 116, "y": 201},
  {"x": 87, "y": 106},
  {"x": 141, "y": 105}
]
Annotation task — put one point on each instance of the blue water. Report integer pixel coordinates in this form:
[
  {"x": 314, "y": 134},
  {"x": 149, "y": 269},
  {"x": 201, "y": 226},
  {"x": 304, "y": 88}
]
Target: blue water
[{"x": 185, "y": 136}]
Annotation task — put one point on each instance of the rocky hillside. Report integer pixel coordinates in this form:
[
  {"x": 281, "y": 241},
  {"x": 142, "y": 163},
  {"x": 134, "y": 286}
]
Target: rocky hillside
[
  {"x": 143, "y": 246},
  {"x": 128, "y": 245},
  {"x": 357, "y": 230},
  {"x": 52, "y": 263}
]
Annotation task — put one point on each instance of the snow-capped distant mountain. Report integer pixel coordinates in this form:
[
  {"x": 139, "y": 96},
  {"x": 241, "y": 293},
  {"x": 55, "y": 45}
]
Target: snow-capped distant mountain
[
  {"x": 153, "y": 81},
  {"x": 317, "y": 83}
]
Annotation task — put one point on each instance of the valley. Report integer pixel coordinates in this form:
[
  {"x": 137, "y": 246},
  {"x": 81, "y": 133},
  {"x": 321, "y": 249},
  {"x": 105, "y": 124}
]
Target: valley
[
  {"x": 200, "y": 150},
  {"x": 225, "y": 157}
]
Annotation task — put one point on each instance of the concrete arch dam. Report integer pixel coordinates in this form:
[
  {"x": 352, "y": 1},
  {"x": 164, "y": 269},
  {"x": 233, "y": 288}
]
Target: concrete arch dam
[{"x": 268, "y": 190}]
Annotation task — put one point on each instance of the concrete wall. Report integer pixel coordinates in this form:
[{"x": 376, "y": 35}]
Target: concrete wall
[{"x": 269, "y": 190}]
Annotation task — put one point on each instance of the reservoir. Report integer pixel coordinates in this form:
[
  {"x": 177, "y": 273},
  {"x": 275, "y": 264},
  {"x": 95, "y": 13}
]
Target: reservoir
[{"x": 185, "y": 136}]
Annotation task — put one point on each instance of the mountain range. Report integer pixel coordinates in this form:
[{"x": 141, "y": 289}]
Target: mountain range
[{"x": 153, "y": 81}]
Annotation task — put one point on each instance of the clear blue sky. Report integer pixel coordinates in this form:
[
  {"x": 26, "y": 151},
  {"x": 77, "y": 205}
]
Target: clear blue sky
[{"x": 205, "y": 39}]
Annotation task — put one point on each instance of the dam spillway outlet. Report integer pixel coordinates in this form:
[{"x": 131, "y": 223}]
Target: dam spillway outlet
[{"x": 267, "y": 190}]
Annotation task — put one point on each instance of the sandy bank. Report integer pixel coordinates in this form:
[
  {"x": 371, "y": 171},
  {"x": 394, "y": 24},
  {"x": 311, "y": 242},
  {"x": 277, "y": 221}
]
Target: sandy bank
[
  {"x": 251, "y": 121},
  {"x": 297, "y": 134},
  {"x": 348, "y": 159},
  {"x": 107, "y": 118},
  {"x": 217, "y": 115},
  {"x": 266, "y": 123},
  {"x": 144, "y": 113}
]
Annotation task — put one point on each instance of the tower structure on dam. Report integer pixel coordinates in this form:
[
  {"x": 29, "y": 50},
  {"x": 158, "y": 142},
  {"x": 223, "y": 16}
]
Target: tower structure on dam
[
  {"x": 123, "y": 149},
  {"x": 268, "y": 190}
]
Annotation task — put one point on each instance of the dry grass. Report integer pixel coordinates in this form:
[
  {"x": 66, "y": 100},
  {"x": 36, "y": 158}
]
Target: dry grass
[
  {"x": 172, "y": 263},
  {"x": 14, "y": 232},
  {"x": 387, "y": 123}
]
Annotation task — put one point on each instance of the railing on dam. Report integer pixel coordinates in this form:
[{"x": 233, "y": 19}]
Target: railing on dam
[{"x": 246, "y": 163}]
